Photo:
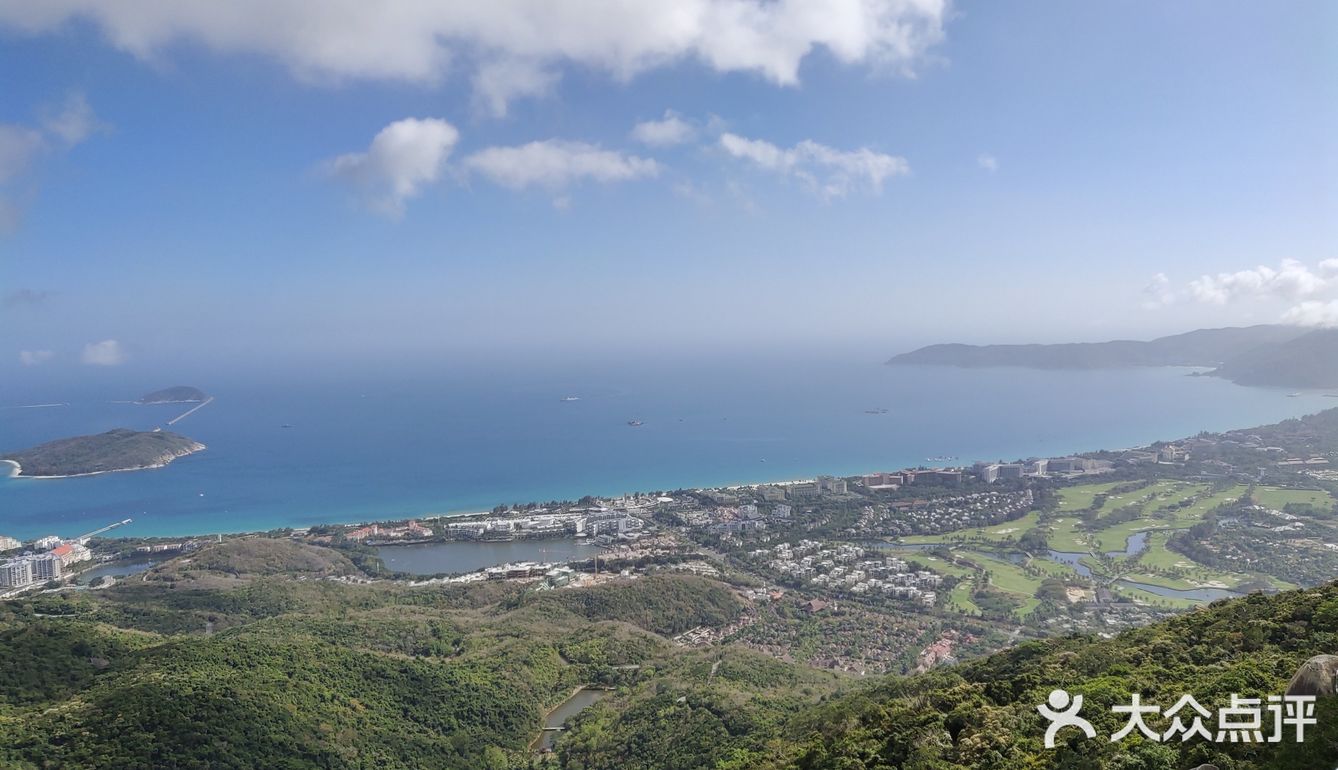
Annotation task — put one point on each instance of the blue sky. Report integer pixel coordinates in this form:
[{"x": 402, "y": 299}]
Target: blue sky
[{"x": 195, "y": 185}]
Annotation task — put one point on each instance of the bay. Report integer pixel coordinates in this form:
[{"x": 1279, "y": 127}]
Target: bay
[{"x": 297, "y": 448}]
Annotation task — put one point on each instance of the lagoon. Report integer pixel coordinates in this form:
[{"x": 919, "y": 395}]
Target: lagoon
[{"x": 469, "y": 556}]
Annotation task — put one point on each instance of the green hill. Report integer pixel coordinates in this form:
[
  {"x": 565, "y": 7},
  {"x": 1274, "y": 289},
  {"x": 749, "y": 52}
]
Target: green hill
[
  {"x": 983, "y": 714},
  {"x": 177, "y": 394},
  {"x": 1310, "y": 361},
  {"x": 1204, "y": 347},
  {"x": 1280, "y": 356},
  {"x": 120, "y": 449},
  {"x": 220, "y": 659}
]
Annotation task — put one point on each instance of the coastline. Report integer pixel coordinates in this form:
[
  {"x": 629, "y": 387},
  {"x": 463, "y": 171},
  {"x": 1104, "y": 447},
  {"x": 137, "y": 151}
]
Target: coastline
[{"x": 18, "y": 469}]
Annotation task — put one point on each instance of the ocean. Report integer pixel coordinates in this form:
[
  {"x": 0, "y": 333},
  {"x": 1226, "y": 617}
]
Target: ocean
[{"x": 384, "y": 444}]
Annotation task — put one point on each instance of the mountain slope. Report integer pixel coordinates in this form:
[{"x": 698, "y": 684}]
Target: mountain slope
[
  {"x": 1204, "y": 347},
  {"x": 1309, "y": 361},
  {"x": 983, "y": 714}
]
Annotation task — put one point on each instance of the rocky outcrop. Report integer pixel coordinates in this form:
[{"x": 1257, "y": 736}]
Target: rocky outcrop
[{"x": 1317, "y": 676}]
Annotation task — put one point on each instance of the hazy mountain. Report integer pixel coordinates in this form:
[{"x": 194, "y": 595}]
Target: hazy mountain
[
  {"x": 1205, "y": 347},
  {"x": 1309, "y": 361},
  {"x": 1286, "y": 356},
  {"x": 177, "y": 394}
]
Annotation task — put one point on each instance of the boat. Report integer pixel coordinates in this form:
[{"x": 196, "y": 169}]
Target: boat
[
  {"x": 1293, "y": 395},
  {"x": 635, "y": 423},
  {"x": 571, "y": 398}
]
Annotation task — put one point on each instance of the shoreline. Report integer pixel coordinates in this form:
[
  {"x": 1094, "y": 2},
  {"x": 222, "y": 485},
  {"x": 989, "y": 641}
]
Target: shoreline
[
  {"x": 18, "y": 469},
  {"x": 289, "y": 520}
]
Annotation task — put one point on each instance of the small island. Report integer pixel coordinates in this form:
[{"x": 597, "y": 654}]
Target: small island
[
  {"x": 178, "y": 394},
  {"x": 120, "y": 449}
]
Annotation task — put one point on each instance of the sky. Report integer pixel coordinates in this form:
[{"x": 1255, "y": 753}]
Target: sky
[{"x": 249, "y": 183}]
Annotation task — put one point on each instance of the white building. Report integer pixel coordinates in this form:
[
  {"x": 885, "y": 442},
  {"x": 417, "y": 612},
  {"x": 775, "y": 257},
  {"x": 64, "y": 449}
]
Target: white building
[{"x": 15, "y": 573}]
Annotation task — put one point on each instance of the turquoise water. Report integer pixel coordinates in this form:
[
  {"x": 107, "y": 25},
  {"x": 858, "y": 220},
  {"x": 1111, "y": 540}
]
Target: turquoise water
[{"x": 384, "y": 444}]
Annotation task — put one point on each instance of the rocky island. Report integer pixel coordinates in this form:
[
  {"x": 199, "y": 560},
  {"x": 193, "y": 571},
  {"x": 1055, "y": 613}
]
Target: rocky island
[
  {"x": 177, "y": 394},
  {"x": 120, "y": 449}
]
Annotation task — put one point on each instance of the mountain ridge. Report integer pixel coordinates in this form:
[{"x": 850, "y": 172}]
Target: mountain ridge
[{"x": 1274, "y": 355}]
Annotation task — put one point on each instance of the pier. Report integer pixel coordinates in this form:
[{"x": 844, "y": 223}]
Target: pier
[{"x": 191, "y": 411}]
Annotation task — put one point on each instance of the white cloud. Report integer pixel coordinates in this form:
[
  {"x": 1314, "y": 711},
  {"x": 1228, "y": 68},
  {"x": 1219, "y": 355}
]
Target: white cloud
[
  {"x": 1293, "y": 280},
  {"x": 18, "y": 146},
  {"x": 832, "y": 173},
  {"x": 666, "y": 132},
  {"x": 35, "y": 357},
  {"x": 403, "y": 157},
  {"x": 73, "y": 122},
  {"x": 1313, "y": 313},
  {"x": 416, "y": 40},
  {"x": 1329, "y": 268},
  {"x": 555, "y": 164},
  {"x": 988, "y": 162},
  {"x": 498, "y": 82},
  {"x": 105, "y": 353},
  {"x": 1158, "y": 293}
]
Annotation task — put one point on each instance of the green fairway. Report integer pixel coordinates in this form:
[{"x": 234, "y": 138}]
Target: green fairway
[
  {"x": 960, "y": 598},
  {"x": 1277, "y": 499},
  {"x": 1010, "y": 578},
  {"x": 1064, "y": 536},
  {"x": 1158, "y": 556},
  {"x": 941, "y": 566},
  {"x": 1080, "y": 497}
]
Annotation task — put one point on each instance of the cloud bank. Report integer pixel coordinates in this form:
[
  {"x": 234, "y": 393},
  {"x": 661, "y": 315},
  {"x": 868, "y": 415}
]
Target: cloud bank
[
  {"x": 1310, "y": 294},
  {"x": 512, "y": 47}
]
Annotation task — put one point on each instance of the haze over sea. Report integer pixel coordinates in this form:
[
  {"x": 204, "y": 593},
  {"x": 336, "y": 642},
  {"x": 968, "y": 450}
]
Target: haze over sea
[{"x": 383, "y": 443}]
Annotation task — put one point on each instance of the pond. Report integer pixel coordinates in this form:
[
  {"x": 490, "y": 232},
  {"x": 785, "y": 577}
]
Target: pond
[
  {"x": 468, "y": 555},
  {"x": 579, "y": 701},
  {"x": 113, "y": 570},
  {"x": 1135, "y": 545},
  {"x": 1072, "y": 559},
  {"x": 1193, "y": 594}
]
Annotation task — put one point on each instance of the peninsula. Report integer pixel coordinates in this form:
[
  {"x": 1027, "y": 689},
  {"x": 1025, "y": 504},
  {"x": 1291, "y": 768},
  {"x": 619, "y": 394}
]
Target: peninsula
[
  {"x": 1272, "y": 355},
  {"x": 120, "y": 449},
  {"x": 177, "y": 394}
]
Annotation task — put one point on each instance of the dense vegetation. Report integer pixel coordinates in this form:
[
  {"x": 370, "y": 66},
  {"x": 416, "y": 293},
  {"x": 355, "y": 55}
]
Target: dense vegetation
[
  {"x": 983, "y": 714},
  {"x": 115, "y": 450},
  {"x": 214, "y": 661}
]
